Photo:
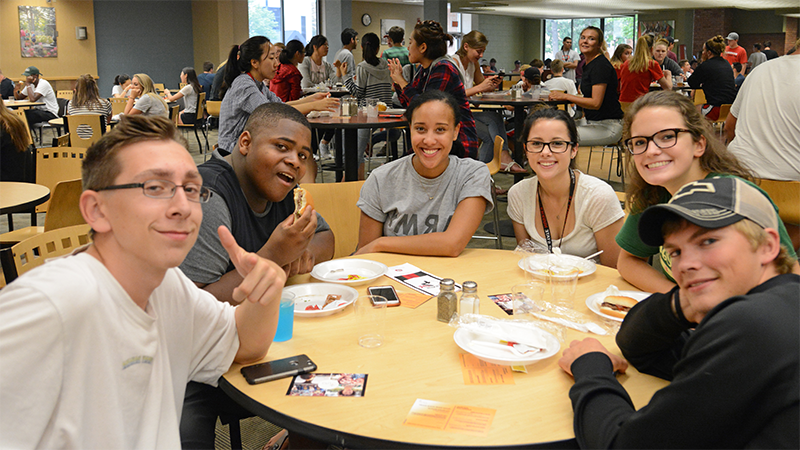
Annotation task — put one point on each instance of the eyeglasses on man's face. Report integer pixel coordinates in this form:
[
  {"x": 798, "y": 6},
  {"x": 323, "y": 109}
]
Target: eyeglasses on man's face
[
  {"x": 555, "y": 146},
  {"x": 663, "y": 139},
  {"x": 166, "y": 189}
]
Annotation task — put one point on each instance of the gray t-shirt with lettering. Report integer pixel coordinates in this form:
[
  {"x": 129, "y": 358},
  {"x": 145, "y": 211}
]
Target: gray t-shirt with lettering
[{"x": 398, "y": 196}]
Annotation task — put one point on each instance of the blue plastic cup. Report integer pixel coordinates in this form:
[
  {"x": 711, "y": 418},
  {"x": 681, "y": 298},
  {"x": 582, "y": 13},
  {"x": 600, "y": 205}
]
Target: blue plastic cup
[{"x": 286, "y": 318}]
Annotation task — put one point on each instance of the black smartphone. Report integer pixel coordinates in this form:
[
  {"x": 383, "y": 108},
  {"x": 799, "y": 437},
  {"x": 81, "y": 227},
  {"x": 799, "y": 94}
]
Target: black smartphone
[
  {"x": 386, "y": 292},
  {"x": 281, "y": 368}
]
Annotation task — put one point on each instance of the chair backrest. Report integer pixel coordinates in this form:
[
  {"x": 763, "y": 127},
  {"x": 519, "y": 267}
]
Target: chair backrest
[
  {"x": 64, "y": 209},
  {"x": 159, "y": 86},
  {"x": 213, "y": 108},
  {"x": 494, "y": 164},
  {"x": 55, "y": 164},
  {"x": 181, "y": 86},
  {"x": 724, "y": 110},
  {"x": 508, "y": 83},
  {"x": 94, "y": 122},
  {"x": 118, "y": 105},
  {"x": 201, "y": 99},
  {"x": 63, "y": 140},
  {"x": 67, "y": 94},
  {"x": 336, "y": 202},
  {"x": 699, "y": 97},
  {"x": 63, "y": 105},
  {"x": 786, "y": 196},
  {"x": 19, "y": 112},
  {"x": 34, "y": 251},
  {"x": 173, "y": 114}
]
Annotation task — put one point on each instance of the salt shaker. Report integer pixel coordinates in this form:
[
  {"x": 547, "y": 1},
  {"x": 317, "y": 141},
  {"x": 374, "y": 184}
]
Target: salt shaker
[
  {"x": 447, "y": 300},
  {"x": 470, "y": 302}
]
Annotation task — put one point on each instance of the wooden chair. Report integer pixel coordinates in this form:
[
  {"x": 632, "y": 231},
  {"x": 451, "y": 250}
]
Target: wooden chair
[
  {"x": 21, "y": 114},
  {"x": 494, "y": 167},
  {"x": 118, "y": 105},
  {"x": 199, "y": 123},
  {"x": 699, "y": 97},
  {"x": 724, "y": 110},
  {"x": 33, "y": 252},
  {"x": 67, "y": 94},
  {"x": 159, "y": 87},
  {"x": 95, "y": 124},
  {"x": 63, "y": 211},
  {"x": 63, "y": 140},
  {"x": 786, "y": 196},
  {"x": 173, "y": 114},
  {"x": 336, "y": 202}
]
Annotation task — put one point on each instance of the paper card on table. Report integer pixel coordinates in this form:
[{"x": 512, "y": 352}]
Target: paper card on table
[
  {"x": 412, "y": 299},
  {"x": 328, "y": 385},
  {"x": 456, "y": 418},
  {"x": 504, "y": 301},
  {"x": 416, "y": 279},
  {"x": 477, "y": 372}
]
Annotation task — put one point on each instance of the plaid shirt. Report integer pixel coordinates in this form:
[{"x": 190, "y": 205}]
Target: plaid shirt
[{"x": 444, "y": 76}]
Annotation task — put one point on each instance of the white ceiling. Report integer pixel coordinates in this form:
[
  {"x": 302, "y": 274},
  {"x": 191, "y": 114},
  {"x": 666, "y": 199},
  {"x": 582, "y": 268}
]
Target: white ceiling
[{"x": 562, "y": 9}]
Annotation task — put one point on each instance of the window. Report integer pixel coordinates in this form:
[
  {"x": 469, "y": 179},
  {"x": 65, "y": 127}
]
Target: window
[
  {"x": 617, "y": 30},
  {"x": 282, "y": 21}
]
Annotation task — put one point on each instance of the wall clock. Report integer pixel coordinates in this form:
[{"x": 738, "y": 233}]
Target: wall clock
[{"x": 366, "y": 20}]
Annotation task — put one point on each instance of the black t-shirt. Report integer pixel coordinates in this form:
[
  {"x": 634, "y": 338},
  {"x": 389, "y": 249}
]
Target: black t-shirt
[
  {"x": 770, "y": 54},
  {"x": 715, "y": 78},
  {"x": 6, "y": 88},
  {"x": 600, "y": 71}
]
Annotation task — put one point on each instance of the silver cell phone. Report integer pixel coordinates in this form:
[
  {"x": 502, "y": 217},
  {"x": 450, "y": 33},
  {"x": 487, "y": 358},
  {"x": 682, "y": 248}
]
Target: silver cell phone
[
  {"x": 386, "y": 292},
  {"x": 281, "y": 368}
]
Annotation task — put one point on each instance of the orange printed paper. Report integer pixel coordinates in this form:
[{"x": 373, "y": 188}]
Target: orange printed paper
[
  {"x": 412, "y": 299},
  {"x": 454, "y": 418},
  {"x": 480, "y": 372}
]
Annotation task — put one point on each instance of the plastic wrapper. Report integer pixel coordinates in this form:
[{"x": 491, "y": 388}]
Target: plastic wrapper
[{"x": 513, "y": 329}]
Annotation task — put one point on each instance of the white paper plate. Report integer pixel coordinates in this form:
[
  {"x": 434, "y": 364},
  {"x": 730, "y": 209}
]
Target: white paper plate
[
  {"x": 393, "y": 111},
  {"x": 541, "y": 261},
  {"x": 464, "y": 338},
  {"x": 315, "y": 294},
  {"x": 594, "y": 301},
  {"x": 339, "y": 270}
]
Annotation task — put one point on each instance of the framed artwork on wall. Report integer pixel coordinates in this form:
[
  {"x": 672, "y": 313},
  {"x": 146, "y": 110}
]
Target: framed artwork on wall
[
  {"x": 659, "y": 28},
  {"x": 386, "y": 24},
  {"x": 37, "y": 32}
]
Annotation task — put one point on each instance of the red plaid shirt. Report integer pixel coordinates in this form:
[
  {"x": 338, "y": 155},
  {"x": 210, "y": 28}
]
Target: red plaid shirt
[{"x": 444, "y": 76}]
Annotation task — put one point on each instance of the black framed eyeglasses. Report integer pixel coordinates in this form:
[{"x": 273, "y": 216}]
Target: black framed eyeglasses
[
  {"x": 166, "y": 189},
  {"x": 555, "y": 146},
  {"x": 663, "y": 139}
]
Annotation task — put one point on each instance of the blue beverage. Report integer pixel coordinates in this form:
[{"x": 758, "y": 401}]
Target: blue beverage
[{"x": 285, "y": 319}]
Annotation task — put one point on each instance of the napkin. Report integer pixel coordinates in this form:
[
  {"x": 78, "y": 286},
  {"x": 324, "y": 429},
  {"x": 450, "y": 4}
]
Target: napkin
[
  {"x": 315, "y": 114},
  {"x": 493, "y": 330}
]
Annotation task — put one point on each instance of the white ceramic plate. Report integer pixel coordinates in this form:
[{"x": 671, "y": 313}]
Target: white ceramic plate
[
  {"x": 594, "y": 301},
  {"x": 541, "y": 261},
  {"x": 394, "y": 111},
  {"x": 464, "y": 338},
  {"x": 349, "y": 271},
  {"x": 311, "y": 294}
]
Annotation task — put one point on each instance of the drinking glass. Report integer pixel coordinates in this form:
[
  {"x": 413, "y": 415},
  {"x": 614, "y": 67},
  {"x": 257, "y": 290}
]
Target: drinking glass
[
  {"x": 370, "y": 311},
  {"x": 563, "y": 281},
  {"x": 286, "y": 317}
]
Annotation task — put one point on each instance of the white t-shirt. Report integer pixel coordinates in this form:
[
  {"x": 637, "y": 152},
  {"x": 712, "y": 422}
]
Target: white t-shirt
[
  {"x": 596, "y": 207},
  {"x": 84, "y": 367},
  {"x": 561, "y": 83},
  {"x": 569, "y": 57},
  {"x": 189, "y": 99},
  {"x": 48, "y": 95},
  {"x": 150, "y": 105},
  {"x": 767, "y": 111},
  {"x": 467, "y": 74}
]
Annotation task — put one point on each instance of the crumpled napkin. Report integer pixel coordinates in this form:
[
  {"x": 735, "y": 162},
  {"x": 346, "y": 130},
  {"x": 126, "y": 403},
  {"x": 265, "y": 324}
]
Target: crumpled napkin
[
  {"x": 491, "y": 330},
  {"x": 315, "y": 114}
]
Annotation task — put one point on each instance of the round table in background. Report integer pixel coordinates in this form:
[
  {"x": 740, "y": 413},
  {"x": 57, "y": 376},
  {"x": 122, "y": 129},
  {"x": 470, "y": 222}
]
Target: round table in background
[{"x": 16, "y": 197}]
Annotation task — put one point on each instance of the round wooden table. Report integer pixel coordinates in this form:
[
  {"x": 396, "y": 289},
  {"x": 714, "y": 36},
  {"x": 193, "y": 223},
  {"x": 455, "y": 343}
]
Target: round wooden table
[
  {"x": 420, "y": 360},
  {"x": 18, "y": 197},
  {"x": 347, "y": 149}
]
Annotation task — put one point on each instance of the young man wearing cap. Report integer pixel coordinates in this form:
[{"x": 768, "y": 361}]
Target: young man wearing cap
[
  {"x": 727, "y": 337},
  {"x": 733, "y": 51},
  {"x": 35, "y": 88},
  {"x": 670, "y": 54}
]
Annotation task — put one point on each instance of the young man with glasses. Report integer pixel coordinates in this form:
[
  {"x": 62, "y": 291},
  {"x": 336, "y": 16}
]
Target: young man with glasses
[
  {"x": 98, "y": 346},
  {"x": 726, "y": 336}
]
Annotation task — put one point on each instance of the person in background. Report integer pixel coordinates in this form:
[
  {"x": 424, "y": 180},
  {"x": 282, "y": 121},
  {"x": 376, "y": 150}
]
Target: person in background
[
  {"x": 216, "y": 85},
  {"x": 372, "y": 80},
  {"x": 396, "y": 49},
  {"x": 756, "y": 58},
  {"x": 694, "y": 64},
  {"x": 314, "y": 68},
  {"x": 735, "y": 308},
  {"x": 670, "y": 54},
  {"x": 122, "y": 86},
  {"x": 600, "y": 99},
  {"x": 715, "y": 78},
  {"x": 430, "y": 202},
  {"x": 253, "y": 196},
  {"x": 35, "y": 88},
  {"x": 570, "y": 58},
  {"x": 288, "y": 79},
  {"x": 637, "y": 73},
  {"x": 121, "y": 307},
  {"x": 428, "y": 46},
  {"x": 517, "y": 65},
  {"x": 143, "y": 98},
  {"x": 738, "y": 74},
  {"x": 485, "y": 67},
  {"x": 622, "y": 53},
  {"x": 189, "y": 93},
  {"x": 345, "y": 54},
  {"x": 87, "y": 100},
  {"x": 686, "y": 68},
  {"x": 668, "y": 66},
  {"x": 672, "y": 145},
  {"x": 530, "y": 77},
  {"x": 488, "y": 124},
  {"x": 206, "y": 79},
  {"x": 559, "y": 83},
  {"x": 493, "y": 66},
  {"x": 584, "y": 213},
  {"x": 15, "y": 160},
  {"x": 769, "y": 52},
  {"x": 733, "y": 51},
  {"x": 6, "y": 87}
]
